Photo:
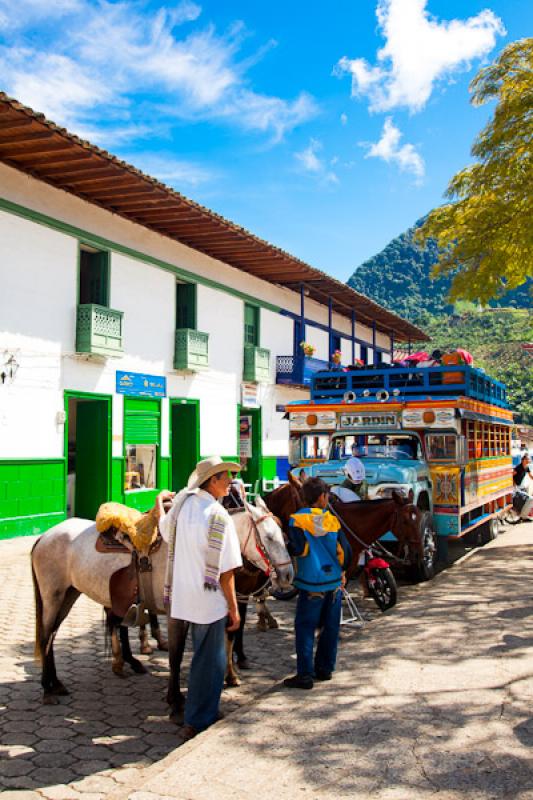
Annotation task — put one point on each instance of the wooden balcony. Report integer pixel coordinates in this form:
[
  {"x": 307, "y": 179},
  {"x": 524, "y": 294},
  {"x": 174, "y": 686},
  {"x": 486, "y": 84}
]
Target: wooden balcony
[
  {"x": 98, "y": 330},
  {"x": 191, "y": 350}
]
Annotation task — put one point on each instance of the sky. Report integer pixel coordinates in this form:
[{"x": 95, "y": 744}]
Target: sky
[{"x": 325, "y": 128}]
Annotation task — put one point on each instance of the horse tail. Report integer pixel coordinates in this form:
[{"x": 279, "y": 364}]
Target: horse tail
[{"x": 38, "y": 651}]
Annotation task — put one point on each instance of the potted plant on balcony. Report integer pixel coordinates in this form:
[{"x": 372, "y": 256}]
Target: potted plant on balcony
[
  {"x": 336, "y": 358},
  {"x": 308, "y": 349}
]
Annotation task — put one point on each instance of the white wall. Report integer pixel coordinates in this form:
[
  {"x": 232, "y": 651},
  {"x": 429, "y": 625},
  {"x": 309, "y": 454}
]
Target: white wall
[{"x": 320, "y": 340}]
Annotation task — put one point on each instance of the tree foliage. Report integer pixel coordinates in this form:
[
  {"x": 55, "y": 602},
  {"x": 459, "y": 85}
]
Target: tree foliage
[{"x": 485, "y": 234}]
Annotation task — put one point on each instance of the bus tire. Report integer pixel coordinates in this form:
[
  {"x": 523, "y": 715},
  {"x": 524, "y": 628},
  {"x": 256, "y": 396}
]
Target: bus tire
[
  {"x": 424, "y": 569},
  {"x": 488, "y": 531}
]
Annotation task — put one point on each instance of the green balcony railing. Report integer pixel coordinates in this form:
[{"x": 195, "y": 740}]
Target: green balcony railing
[
  {"x": 256, "y": 364},
  {"x": 98, "y": 330},
  {"x": 191, "y": 349}
]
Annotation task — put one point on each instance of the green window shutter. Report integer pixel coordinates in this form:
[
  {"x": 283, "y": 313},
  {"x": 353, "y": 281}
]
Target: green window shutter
[
  {"x": 142, "y": 421},
  {"x": 94, "y": 278},
  {"x": 185, "y": 306},
  {"x": 251, "y": 325}
]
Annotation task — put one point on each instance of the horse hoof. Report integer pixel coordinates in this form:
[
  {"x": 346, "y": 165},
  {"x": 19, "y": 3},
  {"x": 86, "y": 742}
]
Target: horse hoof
[
  {"x": 261, "y": 625},
  {"x": 232, "y": 681},
  {"x": 118, "y": 670},
  {"x": 146, "y": 649},
  {"x": 59, "y": 689},
  {"x": 176, "y": 716},
  {"x": 50, "y": 699},
  {"x": 273, "y": 623},
  {"x": 243, "y": 663},
  {"x": 137, "y": 667},
  {"x": 162, "y": 644}
]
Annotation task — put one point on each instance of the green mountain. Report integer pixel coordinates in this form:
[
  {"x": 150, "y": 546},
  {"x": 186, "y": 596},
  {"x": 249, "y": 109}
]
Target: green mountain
[{"x": 399, "y": 278}]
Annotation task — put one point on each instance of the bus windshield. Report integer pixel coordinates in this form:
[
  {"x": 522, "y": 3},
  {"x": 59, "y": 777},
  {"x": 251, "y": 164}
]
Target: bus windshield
[{"x": 375, "y": 445}]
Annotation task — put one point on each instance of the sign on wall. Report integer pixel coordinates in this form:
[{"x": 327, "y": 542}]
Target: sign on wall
[
  {"x": 250, "y": 395},
  {"x": 245, "y": 436},
  {"x": 138, "y": 384}
]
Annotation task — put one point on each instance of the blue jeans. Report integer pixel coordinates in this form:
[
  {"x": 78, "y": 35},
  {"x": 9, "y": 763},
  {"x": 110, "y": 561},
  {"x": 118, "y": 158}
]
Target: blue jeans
[
  {"x": 312, "y": 612},
  {"x": 206, "y": 676}
]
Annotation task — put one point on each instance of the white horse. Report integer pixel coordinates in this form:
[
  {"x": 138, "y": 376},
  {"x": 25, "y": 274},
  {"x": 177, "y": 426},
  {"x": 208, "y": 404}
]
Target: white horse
[{"x": 65, "y": 564}]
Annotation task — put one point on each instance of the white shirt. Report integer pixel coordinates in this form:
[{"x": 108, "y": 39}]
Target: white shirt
[{"x": 190, "y": 600}]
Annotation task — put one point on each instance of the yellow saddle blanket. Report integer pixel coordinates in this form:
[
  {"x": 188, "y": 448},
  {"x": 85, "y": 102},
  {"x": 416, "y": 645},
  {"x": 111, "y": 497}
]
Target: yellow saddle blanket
[{"x": 141, "y": 529}]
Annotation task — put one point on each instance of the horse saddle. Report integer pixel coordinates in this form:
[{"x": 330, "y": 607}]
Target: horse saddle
[{"x": 126, "y": 530}]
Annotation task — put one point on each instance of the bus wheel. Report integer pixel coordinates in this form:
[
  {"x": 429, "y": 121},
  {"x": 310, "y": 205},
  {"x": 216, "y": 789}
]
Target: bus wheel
[
  {"x": 424, "y": 570},
  {"x": 488, "y": 531}
]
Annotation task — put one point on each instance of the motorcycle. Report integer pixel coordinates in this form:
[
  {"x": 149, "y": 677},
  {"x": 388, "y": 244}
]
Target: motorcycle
[{"x": 521, "y": 509}]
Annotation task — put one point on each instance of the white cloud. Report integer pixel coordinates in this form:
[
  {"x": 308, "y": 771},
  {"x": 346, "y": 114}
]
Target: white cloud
[
  {"x": 116, "y": 61},
  {"x": 388, "y": 148},
  {"x": 310, "y": 162},
  {"x": 419, "y": 51},
  {"x": 344, "y": 119},
  {"x": 170, "y": 170}
]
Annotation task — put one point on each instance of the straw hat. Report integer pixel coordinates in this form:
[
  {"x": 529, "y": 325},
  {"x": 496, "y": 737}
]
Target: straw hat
[{"x": 208, "y": 467}]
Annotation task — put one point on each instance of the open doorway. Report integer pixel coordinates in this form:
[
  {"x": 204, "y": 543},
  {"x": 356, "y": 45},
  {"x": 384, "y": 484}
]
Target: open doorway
[
  {"x": 88, "y": 454},
  {"x": 185, "y": 440}
]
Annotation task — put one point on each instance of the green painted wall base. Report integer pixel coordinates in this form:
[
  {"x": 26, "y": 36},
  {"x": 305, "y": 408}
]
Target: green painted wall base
[
  {"x": 29, "y": 526},
  {"x": 32, "y": 496}
]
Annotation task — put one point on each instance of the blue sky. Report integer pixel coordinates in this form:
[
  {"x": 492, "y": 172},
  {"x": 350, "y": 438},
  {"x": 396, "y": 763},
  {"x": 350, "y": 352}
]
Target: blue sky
[{"x": 327, "y": 129}]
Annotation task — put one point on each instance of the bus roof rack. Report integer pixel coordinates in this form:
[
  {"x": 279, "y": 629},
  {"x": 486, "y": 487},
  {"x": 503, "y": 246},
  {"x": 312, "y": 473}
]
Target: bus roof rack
[{"x": 400, "y": 384}]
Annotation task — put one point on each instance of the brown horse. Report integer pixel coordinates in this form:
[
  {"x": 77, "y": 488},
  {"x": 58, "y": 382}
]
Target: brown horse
[{"x": 363, "y": 522}]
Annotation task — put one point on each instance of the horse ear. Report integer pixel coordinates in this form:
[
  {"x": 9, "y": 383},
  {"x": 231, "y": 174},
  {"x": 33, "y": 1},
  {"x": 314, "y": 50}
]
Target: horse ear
[
  {"x": 260, "y": 503},
  {"x": 295, "y": 481},
  {"x": 410, "y": 497},
  {"x": 398, "y": 499}
]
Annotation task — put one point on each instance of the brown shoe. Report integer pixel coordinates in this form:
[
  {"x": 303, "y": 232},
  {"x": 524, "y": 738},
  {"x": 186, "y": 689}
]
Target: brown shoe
[{"x": 188, "y": 732}]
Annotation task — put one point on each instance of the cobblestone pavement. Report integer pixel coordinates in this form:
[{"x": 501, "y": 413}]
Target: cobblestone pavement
[
  {"x": 108, "y": 736},
  {"x": 109, "y": 729}
]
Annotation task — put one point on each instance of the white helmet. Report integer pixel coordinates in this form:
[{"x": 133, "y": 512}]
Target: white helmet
[{"x": 355, "y": 470}]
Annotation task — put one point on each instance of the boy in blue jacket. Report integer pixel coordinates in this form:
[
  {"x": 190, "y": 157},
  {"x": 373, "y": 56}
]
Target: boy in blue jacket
[{"x": 322, "y": 554}]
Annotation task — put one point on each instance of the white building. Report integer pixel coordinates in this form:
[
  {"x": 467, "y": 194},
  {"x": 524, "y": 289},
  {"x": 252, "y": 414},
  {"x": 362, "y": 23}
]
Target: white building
[{"x": 140, "y": 331}]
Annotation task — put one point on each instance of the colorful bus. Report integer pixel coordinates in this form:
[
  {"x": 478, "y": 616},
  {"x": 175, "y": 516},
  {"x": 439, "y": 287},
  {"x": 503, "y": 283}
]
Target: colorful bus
[{"x": 444, "y": 434}]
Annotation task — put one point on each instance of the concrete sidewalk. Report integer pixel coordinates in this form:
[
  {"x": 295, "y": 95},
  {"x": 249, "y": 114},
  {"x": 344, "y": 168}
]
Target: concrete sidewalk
[{"x": 435, "y": 699}]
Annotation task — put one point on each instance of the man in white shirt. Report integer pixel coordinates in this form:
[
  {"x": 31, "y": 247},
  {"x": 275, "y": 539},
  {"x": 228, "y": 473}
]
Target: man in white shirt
[{"x": 204, "y": 551}]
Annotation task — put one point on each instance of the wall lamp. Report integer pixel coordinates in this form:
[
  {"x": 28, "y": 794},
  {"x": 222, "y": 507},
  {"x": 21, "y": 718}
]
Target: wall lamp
[{"x": 10, "y": 368}]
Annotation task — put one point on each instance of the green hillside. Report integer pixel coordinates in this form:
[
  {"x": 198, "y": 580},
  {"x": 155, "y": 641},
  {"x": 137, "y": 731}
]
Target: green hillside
[{"x": 399, "y": 278}]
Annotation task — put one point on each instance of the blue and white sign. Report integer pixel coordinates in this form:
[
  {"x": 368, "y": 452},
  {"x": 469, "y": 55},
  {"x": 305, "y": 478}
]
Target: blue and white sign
[{"x": 140, "y": 385}]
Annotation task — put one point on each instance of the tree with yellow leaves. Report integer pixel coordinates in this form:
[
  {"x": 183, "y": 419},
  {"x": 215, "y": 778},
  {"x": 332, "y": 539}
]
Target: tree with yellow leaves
[{"x": 486, "y": 232}]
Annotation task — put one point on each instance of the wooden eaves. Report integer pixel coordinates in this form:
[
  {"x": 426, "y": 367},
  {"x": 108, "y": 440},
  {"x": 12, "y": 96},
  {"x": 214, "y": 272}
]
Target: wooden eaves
[{"x": 35, "y": 145}]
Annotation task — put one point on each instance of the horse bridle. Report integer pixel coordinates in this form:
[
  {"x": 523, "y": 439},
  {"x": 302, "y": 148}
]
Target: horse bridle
[{"x": 259, "y": 546}]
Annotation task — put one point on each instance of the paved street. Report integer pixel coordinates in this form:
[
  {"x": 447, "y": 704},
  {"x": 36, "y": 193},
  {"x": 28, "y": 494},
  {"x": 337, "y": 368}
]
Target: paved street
[{"x": 433, "y": 698}]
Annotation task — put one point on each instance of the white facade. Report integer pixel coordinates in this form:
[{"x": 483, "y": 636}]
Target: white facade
[{"x": 39, "y": 269}]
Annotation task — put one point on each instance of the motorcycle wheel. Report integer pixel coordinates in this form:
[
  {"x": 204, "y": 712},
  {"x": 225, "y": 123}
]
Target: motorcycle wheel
[
  {"x": 511, "y": 517},
  {"x": 382, "y": 588}
]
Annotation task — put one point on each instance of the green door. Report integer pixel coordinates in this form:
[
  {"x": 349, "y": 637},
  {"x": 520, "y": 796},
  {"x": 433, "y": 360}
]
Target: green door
[
  {"x": 253, "y": 471},
  {"x": 92, "y": 464},
  {"x": 185, "y": 449}
]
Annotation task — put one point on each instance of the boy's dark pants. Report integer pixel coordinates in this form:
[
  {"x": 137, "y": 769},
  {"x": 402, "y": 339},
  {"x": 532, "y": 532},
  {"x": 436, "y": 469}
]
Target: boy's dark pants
[{"x": 323, "y": 611}]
